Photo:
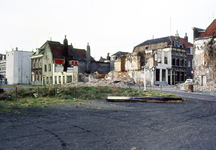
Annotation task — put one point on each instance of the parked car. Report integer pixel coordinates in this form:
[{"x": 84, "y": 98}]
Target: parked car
[{"x": 189, "y": 81}]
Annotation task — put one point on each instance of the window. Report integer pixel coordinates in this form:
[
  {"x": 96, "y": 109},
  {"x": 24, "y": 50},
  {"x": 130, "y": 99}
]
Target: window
[
  {"x": 33, "y": 63},
  {"x": 188, "y": 63},
  {"x": 183, "y": 63},
  {"x": 59, "y": 79},
  {"x": 36, "y": 65},
  {"x": 51, "y": 80},
  {"x": 163, "y": 75},
  {"x": 173, "y": 61},
  {"x": 43, "y": 80},
  {"x": 36, "y": 76},
  {"x": 177, "y": 62},
  {"x": 39, "y": 76},
  {"x": 55, "y": 79},
  {"x": 175, "y": 44},
  {"x": 49, "y": 67},
  {"x": 165, "y": 60},
  {"x": 32, "y": 76},
  {"x": 69, "y": 79},
  {"x": 47, "y": 80},
  {"x": 63, "y": 79},
  {"x": 45, "y": 68},
  {"x": 39, "y": 63}
]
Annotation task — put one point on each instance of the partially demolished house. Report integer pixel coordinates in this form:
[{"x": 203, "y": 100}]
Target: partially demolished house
[
  {"x": 114, "y": 57},
  {"x": 205, "y": 54},
  {"x": 166, "y": 58},
  {"x": 56, "y": 63}
]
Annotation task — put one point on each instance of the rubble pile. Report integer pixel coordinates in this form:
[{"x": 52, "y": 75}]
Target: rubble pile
[
  {"x": 113, "y": 78},
  {"x": 209, "y": 87}
]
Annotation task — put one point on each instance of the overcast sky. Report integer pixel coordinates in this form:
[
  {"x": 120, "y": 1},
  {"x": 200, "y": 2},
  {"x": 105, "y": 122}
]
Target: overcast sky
[{"x": 107, "y": 25}]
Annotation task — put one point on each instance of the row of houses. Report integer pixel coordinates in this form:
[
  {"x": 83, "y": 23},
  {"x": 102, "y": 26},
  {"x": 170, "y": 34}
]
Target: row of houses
[
  {"x": 168, "y": 60},
  {"x": 52, "y": 63}
]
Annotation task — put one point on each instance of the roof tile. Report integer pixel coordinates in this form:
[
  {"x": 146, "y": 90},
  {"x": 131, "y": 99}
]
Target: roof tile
[{"x": 210, "y": 30}]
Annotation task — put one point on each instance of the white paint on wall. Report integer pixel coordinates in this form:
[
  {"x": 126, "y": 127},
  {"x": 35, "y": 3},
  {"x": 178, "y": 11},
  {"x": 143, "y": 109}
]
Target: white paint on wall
[{"x": 18, "y": 67}]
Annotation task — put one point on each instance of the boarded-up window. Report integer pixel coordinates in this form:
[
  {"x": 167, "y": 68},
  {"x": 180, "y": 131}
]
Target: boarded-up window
[{"x": 69, "y": 79}]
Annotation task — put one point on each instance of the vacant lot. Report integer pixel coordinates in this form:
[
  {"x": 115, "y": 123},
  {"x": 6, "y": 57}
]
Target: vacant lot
[{"x": 104, "y": 125}]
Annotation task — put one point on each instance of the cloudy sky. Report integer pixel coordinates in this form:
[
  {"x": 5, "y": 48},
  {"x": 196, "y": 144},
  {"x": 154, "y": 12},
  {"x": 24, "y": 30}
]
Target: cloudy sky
[{"x": 107, "y": 25}]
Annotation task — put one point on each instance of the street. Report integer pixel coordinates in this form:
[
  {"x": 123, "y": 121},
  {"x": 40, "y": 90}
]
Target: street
[{"x": 112, "y": 125}]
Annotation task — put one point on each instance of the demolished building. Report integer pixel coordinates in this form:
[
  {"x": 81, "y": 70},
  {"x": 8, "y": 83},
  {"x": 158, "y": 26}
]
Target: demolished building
[
  {"x": 166, "y": 58},
  {"x": 205, "y": 54}
]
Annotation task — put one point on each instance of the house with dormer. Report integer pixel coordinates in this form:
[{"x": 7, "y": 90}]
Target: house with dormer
[
  {"x": 49, "y": 63},
  {"x": 56, "y": 63}
]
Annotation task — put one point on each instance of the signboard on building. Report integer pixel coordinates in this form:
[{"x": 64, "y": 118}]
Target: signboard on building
[{"x": 144, "y": 67}]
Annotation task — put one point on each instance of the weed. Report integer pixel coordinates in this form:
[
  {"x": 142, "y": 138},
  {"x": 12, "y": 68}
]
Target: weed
[{"x": 32, "y": 97}]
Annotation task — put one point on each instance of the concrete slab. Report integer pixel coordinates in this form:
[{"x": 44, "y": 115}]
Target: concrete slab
[{"x": 144, "y": 99}]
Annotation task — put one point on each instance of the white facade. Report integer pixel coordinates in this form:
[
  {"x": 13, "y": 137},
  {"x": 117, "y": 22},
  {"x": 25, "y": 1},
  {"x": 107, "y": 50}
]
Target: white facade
[
  {"x": 60, "y": 77},
  {"x": 18, "y": 67},
  {"x": 3, "y": 79}
]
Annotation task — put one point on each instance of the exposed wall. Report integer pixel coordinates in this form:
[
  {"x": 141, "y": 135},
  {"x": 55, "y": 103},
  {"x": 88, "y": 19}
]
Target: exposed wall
[
  {"x": 132, "y": 61},
  {"x": 100, "y": 67},
  {"x": 151, "y": 46},
  {"x": 138, "y": 76},
  {"x": 204, "y": 61},
  {"x": 18, "y": 67}
]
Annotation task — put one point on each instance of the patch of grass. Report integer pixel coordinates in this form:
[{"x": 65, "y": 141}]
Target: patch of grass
[{"x": 31, "y": 97}]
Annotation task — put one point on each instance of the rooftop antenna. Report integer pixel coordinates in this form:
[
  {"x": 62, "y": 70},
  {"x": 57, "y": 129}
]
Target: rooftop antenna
[
  {"x": 212, "y": 16},
  {"x": 170, "y": 26}
]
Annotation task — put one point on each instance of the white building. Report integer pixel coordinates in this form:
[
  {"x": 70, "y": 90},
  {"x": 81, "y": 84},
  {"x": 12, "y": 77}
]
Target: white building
[
  {"x": 18, "y": 67},
  {"x": 3, "y": 79}
]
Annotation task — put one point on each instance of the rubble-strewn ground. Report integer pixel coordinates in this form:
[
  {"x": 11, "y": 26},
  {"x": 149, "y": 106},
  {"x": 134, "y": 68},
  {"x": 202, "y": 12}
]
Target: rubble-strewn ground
[
  {"x": 123, "y": 80},
  {"x": 209, "y": 87}
]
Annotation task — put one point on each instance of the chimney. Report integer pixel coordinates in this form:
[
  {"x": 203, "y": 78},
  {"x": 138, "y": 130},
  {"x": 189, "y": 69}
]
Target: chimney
[
  {"x": 186, "y": 37},
  {"x": 108, "y": 57},
  {"x": 16, "y": 48},
  {"x": 88, "y": 58},
  {"x": 37, "y": 50},
  {"x": 177, "y": 35}
]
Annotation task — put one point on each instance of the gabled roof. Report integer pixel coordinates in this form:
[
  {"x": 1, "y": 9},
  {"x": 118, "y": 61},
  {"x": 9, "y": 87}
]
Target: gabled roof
[
  {"x": 210, "y": 30},
  {"x": 119, "y": 53},
  {"x": 155, "y": 41},
  {"x": 184, "y": 41},
  {"x": 168, "y": 39},
  {"x": 58, "y": 51},
  {"x": 81, "y": 54}
]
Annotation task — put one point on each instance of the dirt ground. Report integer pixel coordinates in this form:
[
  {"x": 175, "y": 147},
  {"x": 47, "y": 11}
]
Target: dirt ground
[{"x": 100, "y": 124}]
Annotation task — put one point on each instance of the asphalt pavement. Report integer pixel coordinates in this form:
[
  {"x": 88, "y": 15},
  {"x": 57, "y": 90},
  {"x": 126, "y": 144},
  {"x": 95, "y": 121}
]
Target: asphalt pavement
[
  {"x": 209, "y": 96},
  {"x": 98, "y": 124}
]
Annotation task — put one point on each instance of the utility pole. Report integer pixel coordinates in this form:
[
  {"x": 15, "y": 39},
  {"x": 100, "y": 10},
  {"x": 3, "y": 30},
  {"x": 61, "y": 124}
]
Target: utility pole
[{"x": 144, "y": 82}]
